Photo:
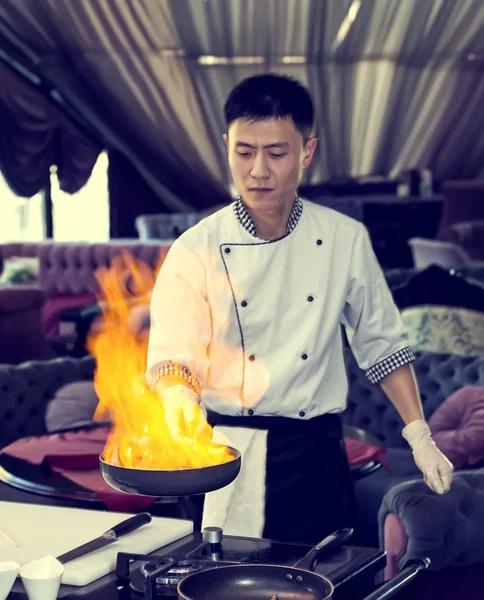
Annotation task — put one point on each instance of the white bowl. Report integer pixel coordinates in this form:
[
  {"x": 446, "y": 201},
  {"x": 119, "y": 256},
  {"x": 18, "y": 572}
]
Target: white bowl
[
  {"x": 8, "y": 574},
  {"x": 42, "y": 578}
]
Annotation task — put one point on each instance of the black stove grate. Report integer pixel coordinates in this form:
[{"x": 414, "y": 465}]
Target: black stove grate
[{"x": 155, "y": 576}]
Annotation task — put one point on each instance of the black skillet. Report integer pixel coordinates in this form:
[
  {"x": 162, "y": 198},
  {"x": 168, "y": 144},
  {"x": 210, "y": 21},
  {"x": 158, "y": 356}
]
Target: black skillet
[
  {"x": 176, "y": 482},
  {"x": 264, "y": 582},
  {"x": 272, "y": 582}
]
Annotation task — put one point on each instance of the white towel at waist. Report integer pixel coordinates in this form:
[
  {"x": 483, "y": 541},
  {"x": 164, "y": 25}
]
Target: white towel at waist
[{"x": 239, "y": 508}]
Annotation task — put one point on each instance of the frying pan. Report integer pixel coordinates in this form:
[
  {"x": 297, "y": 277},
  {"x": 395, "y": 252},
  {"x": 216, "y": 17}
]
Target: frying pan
[
  {"x": 266, "y": 582},
  {"x": 176, "y": 482},
  {"x": 263, "y": 582}
]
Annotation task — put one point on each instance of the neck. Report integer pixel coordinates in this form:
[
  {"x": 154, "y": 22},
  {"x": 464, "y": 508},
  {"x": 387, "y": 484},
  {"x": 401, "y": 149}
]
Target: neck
[{"x": 271, "y": 223}]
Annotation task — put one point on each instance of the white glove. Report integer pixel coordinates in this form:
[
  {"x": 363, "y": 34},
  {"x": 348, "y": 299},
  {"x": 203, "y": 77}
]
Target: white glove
[
  {"x": 436, "y": 468},
  {"x": 183, "y": 413}
]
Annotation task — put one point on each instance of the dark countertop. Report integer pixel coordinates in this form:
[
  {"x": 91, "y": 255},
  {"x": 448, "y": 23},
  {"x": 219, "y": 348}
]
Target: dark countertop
[{"x": 358, "y": 558}]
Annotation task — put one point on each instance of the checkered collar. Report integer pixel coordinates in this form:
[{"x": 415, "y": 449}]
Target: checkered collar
[{"x": 248, "y": 224}]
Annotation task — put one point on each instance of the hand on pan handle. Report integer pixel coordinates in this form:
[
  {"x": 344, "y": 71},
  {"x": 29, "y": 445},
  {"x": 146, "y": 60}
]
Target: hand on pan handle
[
  {"x": 183, "y": 413},
  {"x": 436, "y": 468}
]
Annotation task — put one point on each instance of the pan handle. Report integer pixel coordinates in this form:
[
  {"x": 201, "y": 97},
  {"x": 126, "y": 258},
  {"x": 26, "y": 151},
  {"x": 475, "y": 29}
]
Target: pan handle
[
  {"x": 330, "y": 544},
  {"x": 406, "y": 575}
]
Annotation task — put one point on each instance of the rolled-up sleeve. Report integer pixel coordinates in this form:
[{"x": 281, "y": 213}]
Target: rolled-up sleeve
[
  {"x": 180, "y": 319},
  {"x": 372, "y": 321}
]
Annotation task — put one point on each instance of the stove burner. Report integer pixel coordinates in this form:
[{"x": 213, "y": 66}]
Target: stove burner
[
  {"x": 182, "y": 568},
  {"x": 167, "y": 581},
  {"x": 164, "y": 573},
  {"x": 153, "y": 577}
]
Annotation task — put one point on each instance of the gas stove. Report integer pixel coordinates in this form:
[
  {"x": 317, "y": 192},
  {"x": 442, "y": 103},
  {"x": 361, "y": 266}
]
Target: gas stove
[{"x": 352, "y": 569}]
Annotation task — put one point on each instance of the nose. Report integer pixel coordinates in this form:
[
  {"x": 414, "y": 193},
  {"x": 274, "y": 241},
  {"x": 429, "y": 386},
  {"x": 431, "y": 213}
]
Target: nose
[{"x": 260, "y": 168}]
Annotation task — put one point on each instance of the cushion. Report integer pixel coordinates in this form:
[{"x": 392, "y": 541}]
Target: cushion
[
  {"x": 72, "y": 406},
  {"x": 444, "y": 329},
  {"x": 20, "y": 269},
  {"x": 458, "y": 426}
]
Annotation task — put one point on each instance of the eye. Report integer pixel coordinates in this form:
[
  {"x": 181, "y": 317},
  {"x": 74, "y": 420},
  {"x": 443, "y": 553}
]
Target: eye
[
  {"x": 243, "y": 153},
  {"x": 278, "y": 155}
]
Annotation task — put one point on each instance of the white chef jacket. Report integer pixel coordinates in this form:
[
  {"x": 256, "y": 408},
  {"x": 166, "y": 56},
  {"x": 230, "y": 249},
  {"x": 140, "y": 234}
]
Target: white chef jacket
[{"x": 259, "y": 322}]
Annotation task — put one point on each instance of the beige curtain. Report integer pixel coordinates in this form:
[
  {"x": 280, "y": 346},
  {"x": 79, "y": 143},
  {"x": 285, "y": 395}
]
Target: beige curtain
[
  {"x": 396, "y": 83},
  {"x": 118, "y": 62}
]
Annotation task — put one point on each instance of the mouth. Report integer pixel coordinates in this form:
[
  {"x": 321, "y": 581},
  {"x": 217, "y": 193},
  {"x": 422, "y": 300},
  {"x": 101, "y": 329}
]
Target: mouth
[{"x": 260, "y": 189}]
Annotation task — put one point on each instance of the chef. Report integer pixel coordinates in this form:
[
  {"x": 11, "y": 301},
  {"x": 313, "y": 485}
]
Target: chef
[{"x": 247, "y": 311}]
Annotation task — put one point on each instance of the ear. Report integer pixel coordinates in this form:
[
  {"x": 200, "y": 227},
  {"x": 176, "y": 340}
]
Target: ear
[
  {"x": 309, "y": 151},
  {"x": 226, "y": 140}
]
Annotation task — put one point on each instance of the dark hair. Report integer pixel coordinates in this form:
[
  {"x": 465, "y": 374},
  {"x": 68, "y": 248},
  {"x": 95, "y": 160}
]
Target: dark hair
[{"x": 271, "y": 96}]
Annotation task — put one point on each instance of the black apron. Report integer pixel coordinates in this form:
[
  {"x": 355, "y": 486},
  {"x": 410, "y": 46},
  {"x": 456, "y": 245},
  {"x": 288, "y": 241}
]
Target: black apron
[{"x": 309, "y": 488}]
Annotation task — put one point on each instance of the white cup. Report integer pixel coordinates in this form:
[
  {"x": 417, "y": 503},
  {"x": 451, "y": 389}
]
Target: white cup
[
  {"x": 42, "y": 578},
  {"x": 8, "y": 574}
]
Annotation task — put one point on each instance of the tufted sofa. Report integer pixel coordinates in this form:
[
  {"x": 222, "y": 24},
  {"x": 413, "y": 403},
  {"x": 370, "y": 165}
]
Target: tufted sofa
[
  {"x": 67, "y": 270},
  {"x": 26, "y": 389},
  {"x": 22, "y": 249},
  {"x": 70, "y": 268},
  {"x": 33, "y": 384},
  {"x": 439, "y": 376}
]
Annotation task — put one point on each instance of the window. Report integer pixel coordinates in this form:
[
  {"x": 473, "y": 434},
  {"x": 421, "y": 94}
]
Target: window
[
  {"x": 83, "y": 216},
  {"x": 21, "y": 219}
]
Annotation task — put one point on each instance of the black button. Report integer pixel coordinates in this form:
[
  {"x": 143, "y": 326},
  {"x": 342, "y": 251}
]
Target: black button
[
  {"x": 302, "y": 414},
  {"x": 227, "y": 250},
  {"x": 251, "y": 412},
  {"x": 252, "y": 357},
  {"x": 319, "y": 242},
  {"x": 243, "y": 303},
  {"x": 310, "y": 298},
  {"x": 304, "y": 356}
]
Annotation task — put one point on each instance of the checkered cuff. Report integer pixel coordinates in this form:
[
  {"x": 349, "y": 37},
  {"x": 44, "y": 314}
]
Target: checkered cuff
[{"x": 385, "y": 367}]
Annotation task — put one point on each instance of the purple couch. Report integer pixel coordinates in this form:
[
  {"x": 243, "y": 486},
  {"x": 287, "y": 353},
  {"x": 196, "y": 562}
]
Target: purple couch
[
  {"x": 468, "y": 235},
  {"x": 67, "y": 270},
  {"x": 21, "y": 334}
]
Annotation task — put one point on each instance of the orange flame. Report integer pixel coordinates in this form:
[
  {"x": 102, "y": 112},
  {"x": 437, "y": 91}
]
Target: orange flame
[{"x": 140, "y": 437}]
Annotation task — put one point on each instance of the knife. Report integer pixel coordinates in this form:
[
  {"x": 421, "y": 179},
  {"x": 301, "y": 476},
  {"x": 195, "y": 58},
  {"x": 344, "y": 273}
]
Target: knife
[{"x": 108, "y": 537}]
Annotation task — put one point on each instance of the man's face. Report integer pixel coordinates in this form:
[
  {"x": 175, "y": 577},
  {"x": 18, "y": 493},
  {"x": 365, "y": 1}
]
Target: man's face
[{"x": 266, "y": 159}]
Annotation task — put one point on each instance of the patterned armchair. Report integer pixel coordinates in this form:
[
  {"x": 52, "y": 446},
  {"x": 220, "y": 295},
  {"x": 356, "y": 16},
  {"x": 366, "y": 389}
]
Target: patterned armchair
[{"x": 448, "y": 330}]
